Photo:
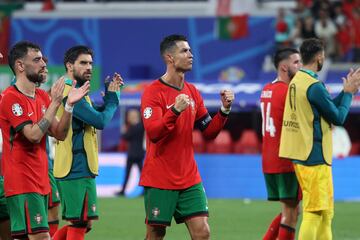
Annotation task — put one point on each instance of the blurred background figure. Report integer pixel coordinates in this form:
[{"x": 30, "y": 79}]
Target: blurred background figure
[
  {"x": 325, "y": 29},
  {"x": 133, "y": 133},
  {"x": 284, "y": 29}
]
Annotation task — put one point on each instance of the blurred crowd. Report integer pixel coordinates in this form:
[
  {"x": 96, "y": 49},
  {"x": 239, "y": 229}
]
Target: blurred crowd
[{"x": 336, "y": 22}]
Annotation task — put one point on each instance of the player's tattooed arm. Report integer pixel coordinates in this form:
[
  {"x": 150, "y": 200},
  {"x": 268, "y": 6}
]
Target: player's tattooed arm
[
  {"x": 44, "y": 125},
  {"x": 35, "y": 132}
]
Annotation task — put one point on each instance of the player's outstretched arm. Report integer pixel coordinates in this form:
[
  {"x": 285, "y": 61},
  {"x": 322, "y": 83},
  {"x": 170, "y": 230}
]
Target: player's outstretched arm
[
  {"x": 216, "y": 124},
  {"x": 334, "y": 113},
  {"x": 99, "y": 117}
]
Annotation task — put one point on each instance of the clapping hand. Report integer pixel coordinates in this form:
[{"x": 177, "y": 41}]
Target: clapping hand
[
  {"x": 76, "y": 94},
  {"x": 116, "y": 83},
  {"x": 57, "y": 91},
  {"x": 352, "y": 81}
]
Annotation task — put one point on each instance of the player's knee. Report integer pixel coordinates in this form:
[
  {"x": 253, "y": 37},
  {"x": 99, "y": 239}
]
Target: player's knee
[
  {"x": 288, "y": 217},
  {"x": 295, "y": 215},
  {"x": 202, "y": 233},
  {"x": 156, "y": 233},
  {"x": 290, "y": 213},
  {"x": 53, "y": 214}
]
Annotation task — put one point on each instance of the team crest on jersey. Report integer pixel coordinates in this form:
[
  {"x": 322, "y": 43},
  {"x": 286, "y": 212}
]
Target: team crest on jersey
[
  {"x": 16, "y": 109},
  {"x": 155, "y": 212},
  {"x": 93, "y": 207},
  {"x": 147, "y": 112},
  {"x": 38, "y": 218},
  {"x": 43, "y": 109}
]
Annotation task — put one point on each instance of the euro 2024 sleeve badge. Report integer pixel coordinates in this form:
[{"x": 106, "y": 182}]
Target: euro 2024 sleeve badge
[{"x": 16, "y": 109}]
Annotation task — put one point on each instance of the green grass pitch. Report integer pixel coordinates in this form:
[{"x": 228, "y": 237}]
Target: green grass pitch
[{"x": 122, "y": 218}]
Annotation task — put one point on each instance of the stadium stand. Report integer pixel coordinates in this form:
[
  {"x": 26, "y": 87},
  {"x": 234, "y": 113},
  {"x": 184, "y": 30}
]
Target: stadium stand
[
  {"x": 248, "y": 143},
  {"x": 236, "y": 65},
  {"x": 198, "y": 141},
  {"x": 221, "y": 144}
]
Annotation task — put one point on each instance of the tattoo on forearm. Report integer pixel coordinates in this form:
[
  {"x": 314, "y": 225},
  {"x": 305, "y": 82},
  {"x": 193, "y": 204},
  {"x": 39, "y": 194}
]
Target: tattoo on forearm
[{"x": 44, "y": 124}]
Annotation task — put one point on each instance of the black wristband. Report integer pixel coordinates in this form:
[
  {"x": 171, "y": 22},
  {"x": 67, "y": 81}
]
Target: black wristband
[{"x": 175, "y": 111}]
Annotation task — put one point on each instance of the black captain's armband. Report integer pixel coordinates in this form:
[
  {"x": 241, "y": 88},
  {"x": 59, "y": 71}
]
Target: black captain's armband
[{"x": 203, "y": 122}]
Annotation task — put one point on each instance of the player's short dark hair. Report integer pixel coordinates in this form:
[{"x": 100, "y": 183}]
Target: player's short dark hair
[
  {"x": 170, "y": 41},
  {"x": 73, "y": 53},
  {"x": 282, "y": 54},
  {"x": 310, "y": 48},
  {"x": 20, "y": 50}
]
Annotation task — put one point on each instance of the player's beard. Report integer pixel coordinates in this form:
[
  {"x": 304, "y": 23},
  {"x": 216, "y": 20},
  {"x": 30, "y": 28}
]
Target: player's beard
[
  {"x": 37, "y": 78},
  {"x": 319, "y": 65},
  {"x": 81, "y": 79},
  {"x": 291, "y": 73}
]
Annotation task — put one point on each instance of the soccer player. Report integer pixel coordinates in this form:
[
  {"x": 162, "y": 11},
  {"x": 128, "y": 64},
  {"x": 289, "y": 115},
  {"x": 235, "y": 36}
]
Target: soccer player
[
  {"x": 53, "y": 196},
  {"x": 26, "y": 116},
  {"x": 306, "y": 137},
  {"x": 170, "y": 107},
  {"x": 5, "y": 233},
  {"x": 279, "y": 173},
  {"x": 76, "y": 158}
]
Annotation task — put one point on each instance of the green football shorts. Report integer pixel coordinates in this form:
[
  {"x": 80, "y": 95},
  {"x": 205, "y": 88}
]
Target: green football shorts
[
  {"x": 28, "y": 214},
  {"x": 4, "y": 213},
  {"x": 161, "y": 205},
  {"x": 78, "y": 199},
  {"x": 54, "y": 196},
  {"x": 282, "y": 186}
]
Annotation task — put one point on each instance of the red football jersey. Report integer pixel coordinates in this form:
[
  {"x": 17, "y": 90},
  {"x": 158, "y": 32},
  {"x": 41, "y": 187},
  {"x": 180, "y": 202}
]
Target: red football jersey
[
  {"x": 24, "y": 164},
  {"x": 169, "y": 161},
  {"x": 272, "y": 104}
]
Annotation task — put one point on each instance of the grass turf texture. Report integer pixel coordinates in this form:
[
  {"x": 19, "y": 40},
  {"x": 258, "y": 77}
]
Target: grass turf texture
[{"x": 122, "y": 218}]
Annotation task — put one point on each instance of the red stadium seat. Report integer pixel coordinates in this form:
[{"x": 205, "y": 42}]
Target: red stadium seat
[
  {"x": 248, "y": 143},
  {"x": 198, "y": 141},
  {"x": 221, "y": 144},
  {"x": 355, "y": 148}
]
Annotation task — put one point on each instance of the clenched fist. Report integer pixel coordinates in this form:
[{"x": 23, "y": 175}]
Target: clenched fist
[
  {"x": 227, "y": 98},
  {"x": 182, "y": 101}
]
